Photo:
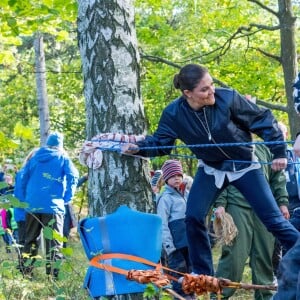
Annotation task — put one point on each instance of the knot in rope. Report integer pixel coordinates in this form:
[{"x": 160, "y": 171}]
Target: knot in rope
[
  {"x": 149, "y": 276},
  {"x": 200, "y": 284}
]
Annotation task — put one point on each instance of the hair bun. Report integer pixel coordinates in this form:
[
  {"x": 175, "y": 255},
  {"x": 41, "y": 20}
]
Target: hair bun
[{"x": 176, "y": 81}]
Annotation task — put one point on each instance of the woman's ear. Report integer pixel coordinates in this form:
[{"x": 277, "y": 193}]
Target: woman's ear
[{"x": 186, "y": 93}]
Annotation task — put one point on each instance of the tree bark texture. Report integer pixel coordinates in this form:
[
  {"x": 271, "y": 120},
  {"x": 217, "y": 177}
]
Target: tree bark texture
[
  {"x": 110, "y": 62},
  {"x": 289, "y": 59},
  {"x": 41, "y": 87}
]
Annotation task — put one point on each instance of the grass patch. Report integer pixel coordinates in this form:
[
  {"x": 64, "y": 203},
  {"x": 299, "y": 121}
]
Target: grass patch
[{"x": 68, "y": 286}]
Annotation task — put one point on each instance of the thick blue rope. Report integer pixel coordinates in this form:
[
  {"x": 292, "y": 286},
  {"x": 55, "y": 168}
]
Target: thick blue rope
[{"x": 117, "y": 149}]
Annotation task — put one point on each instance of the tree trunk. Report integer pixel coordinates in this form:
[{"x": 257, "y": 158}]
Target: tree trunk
[
  {"x": 41, "y": 88},
  {"x": 288, "y": 59},
  {"x": 108, "y": 48}
]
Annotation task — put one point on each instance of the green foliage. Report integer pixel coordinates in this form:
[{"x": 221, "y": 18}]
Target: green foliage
[
  {"x": 41, "y": 286},
  {"x": 20, "y": 20},
  {"x": 26, "y": 17},
  {"x": 7, "y": 201},
  {"x": 209, "y": 37}
]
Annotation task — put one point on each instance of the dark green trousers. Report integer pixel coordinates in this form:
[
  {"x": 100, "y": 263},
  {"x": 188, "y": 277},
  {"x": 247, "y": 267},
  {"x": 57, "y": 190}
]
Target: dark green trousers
[{"x": 254, "y": 242}]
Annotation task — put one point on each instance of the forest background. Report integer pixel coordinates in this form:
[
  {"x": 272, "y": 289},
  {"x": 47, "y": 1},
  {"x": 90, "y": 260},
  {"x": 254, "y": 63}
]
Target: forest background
[{"x": 250, "y": 46}]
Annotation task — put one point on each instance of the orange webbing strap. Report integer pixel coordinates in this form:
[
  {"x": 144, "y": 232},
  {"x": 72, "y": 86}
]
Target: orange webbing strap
[{"x": 95, "y": 263}]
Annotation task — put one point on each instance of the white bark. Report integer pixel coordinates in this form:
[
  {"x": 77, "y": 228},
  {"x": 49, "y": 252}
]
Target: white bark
[
  {"x": 41, "y": 88},
  {"x": 110, "y": 61}
]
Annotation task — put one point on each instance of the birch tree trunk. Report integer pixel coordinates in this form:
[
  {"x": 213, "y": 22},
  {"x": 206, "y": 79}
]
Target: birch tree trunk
[
  {"x": 110, "y": 61},
  {"x": 41, "y": 88}
]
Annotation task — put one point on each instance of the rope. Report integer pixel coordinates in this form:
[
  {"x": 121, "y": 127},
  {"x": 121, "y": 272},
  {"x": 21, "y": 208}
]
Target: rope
[
  {"x": 201, "y": 284},
  {"x": 119, "y": 142},
  {"x": 115, "y": 146},
  {"x": 149, "y": 276},
  {"x": 197, "y": 284},
  {"x": 155, "y": 277}
]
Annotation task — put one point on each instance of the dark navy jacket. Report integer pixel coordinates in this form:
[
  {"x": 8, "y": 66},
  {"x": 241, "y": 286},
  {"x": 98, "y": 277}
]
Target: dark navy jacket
[
  {"x": 230, "y": 120},
  {"x": 289, "y": 275}
]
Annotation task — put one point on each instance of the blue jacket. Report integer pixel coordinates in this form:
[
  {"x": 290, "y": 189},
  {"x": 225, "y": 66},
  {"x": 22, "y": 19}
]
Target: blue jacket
[
  {"x": 49, "y": 181},
  {"x": 230, "y": 120}
]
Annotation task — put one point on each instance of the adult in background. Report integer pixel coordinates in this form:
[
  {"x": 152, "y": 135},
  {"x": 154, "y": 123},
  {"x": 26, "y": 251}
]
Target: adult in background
[
  {"x": 156, "y": 185},
  {"x": 289, "y": 267},
  {"x": 292, "y": 173},
  {"x": 49, "y": 181},
  {"x": 204, "y": 114}
]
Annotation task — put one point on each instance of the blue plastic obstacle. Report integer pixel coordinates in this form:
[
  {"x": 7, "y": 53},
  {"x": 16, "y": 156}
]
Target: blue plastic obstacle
[{"x": 126, "y": 232}]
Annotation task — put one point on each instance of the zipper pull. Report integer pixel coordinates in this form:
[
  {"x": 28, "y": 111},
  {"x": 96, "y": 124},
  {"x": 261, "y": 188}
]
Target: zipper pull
[{"x": 209, "y": 136}]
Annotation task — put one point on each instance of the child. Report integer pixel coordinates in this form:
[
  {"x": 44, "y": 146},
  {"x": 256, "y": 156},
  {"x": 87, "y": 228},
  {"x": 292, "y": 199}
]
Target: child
[
  {"x": 171, "y": 206},
  {"x": 9, "y": 227},
  {"x": 8, "y": 222}
]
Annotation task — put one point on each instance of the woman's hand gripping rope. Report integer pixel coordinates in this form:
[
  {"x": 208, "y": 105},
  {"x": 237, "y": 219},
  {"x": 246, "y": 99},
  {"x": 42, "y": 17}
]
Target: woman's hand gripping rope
[{"x": 129, "y": 148}]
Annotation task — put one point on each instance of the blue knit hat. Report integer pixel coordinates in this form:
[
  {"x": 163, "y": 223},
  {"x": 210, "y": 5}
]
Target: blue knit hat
[{"x": 55, "y": 139}]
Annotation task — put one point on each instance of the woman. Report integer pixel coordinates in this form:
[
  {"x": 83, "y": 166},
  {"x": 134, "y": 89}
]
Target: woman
[{"x": 204, "y": 114}]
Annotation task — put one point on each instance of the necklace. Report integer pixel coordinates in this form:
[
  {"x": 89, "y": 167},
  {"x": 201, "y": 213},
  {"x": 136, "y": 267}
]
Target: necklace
[
  {"x": 205, "y": 126},
  {"x": 207, "y": 130}
]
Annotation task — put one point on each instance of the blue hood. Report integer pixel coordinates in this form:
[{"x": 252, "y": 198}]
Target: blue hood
[{"x": 45, "y": 154}]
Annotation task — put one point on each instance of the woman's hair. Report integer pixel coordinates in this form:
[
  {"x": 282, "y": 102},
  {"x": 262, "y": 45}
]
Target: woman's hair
[
  {"x": 29, "y": 155},
  {"x": 160, "y": 183},
  {"x": 189, "y": 77}
]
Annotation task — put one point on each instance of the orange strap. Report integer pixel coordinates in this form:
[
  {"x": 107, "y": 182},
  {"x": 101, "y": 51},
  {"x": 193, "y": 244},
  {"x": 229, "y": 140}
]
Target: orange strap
[{"x": 95, "y": 263}]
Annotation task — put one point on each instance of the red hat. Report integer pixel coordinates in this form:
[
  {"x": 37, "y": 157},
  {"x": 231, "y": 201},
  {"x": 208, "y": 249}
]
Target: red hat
[{"x": 171, "y": 168}]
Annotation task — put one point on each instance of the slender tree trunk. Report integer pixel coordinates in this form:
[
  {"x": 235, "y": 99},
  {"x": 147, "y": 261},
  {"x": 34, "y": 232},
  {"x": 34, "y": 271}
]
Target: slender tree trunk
[
  {"x": 289, "y": 59},
  {"x": 110, "y": 60},
  {"x": 41, "y": 88}
]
